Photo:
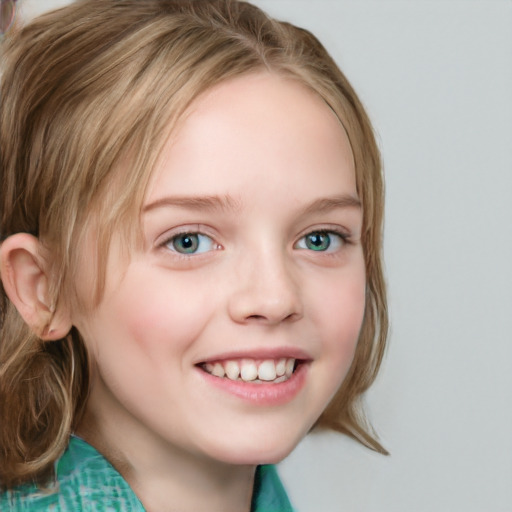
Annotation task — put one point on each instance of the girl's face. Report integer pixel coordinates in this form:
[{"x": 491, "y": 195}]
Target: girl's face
[{"x": 227, "y": 335}]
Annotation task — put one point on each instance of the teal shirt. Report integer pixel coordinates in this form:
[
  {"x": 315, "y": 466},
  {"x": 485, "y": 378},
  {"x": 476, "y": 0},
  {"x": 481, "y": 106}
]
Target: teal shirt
[{"x": 87, "y": 482}]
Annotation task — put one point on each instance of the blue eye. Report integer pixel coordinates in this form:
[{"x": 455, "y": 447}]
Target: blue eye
[
  {"x": 321, "y": 241},
  {"x": 190, "y": 243}
]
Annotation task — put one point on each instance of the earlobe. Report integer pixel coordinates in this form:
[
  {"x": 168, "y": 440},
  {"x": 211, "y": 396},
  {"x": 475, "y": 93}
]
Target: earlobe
[{"x": 24, "y": 275}]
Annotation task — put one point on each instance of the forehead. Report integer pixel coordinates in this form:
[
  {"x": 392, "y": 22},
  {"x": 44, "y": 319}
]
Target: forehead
[{"x": 261, "y": 129}]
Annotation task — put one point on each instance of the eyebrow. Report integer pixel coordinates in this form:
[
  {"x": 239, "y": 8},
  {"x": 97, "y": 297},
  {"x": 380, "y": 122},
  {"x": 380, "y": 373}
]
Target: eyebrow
[
  {"x": 208, "y": 203},
  {"x": 227, "y": 202},
  {"x": 327, "y": 204}
]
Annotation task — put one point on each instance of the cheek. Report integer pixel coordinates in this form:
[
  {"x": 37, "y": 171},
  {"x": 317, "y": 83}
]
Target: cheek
[
  {"x": 347, "y": 313},
  {"x": 156, "y": 312},
  {"x": 342, "y": 304},
  {"x": 339, "y": 315}
]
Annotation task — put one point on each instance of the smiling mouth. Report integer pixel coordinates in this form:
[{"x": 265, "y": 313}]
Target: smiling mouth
[{"x": 255, "y": 371}]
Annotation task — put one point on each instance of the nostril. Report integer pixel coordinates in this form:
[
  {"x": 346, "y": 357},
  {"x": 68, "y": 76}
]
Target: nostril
[
  {"x": 262, "y": 318},
  {"x": 292, "y": 317},
  {"x": 256, "y": 317}
]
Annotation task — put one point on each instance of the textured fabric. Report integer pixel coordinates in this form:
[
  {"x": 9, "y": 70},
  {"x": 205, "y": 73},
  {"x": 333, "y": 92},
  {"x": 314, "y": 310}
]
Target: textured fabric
[
  {"x": 87, "y": 482},
  {"x": 269, "y": 494}
]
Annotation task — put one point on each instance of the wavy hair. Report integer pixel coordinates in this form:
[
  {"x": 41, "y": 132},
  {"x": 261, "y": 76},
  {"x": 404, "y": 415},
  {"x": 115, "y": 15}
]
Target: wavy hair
[{"x": 83, "y": 89}]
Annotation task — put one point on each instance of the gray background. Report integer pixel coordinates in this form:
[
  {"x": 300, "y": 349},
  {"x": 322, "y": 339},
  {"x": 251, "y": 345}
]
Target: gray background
[{"x": 436, "y": 77}]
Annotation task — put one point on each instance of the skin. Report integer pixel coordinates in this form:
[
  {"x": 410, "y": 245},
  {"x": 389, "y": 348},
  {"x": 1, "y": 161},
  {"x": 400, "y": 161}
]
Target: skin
[{"x": 279, "y": 165}]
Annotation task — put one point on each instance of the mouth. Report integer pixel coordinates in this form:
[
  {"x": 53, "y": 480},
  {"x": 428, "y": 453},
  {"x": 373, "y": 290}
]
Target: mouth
[{"x": 254, "y": 371}]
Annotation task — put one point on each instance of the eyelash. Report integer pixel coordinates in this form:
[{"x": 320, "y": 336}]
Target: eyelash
[
  {"x": 343, "y": 237},
  {"x": 170, "y": 241}
]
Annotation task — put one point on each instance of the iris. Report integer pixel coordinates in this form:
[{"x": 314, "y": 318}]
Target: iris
[{"x": 190, "y": 243}]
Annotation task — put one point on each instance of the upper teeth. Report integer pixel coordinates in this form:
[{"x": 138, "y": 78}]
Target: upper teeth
[{"x": 249, "y": 370}]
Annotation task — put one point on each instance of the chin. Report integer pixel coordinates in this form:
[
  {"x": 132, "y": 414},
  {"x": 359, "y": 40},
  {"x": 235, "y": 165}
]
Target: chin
[{"x": 253, "y": 449}]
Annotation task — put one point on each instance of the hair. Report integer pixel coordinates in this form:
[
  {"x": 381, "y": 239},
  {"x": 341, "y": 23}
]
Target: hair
[{"x": 99, "y": 83}]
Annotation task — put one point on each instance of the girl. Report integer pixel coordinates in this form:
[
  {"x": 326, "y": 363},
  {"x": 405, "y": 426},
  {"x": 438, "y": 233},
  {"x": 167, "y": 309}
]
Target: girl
[{"x": 191, "y": 218}]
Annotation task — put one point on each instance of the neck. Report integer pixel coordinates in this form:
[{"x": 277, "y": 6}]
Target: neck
[
  {"x": 163, "y": 476},
  {"x": 177, "y": 483}
]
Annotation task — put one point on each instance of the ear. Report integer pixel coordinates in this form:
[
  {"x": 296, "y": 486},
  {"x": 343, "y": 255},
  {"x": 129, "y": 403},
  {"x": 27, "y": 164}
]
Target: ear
[{"x": 24, "y": 274}]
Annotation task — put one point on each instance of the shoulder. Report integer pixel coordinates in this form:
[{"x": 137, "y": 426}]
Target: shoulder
[
  {"x": 269, "y": 494},
  {"x": 85, "y": 480}
]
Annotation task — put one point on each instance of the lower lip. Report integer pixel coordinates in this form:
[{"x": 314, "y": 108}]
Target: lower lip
[{"x": 262, "y": 394}]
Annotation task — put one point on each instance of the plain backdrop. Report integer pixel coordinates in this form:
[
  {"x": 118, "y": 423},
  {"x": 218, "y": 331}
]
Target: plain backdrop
[{"x": 436, "y": 78}]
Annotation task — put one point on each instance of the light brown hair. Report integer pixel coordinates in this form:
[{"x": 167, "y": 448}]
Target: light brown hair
[{"x": 99, "y": 83}]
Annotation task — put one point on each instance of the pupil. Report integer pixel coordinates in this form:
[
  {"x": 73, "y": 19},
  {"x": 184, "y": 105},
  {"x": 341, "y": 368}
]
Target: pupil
[
  {"x": 319, "y": 241},
  {"x": 187, "y": 243}
]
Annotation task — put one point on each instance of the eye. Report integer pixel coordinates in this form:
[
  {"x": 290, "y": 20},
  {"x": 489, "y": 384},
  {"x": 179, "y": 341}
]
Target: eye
[
  {"x": 190, "y": 243},
  {"x": 321, "y": 241}
]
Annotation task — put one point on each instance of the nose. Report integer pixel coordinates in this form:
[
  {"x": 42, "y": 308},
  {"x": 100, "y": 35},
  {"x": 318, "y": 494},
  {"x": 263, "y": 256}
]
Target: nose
[{"x": 265, "y": 291}]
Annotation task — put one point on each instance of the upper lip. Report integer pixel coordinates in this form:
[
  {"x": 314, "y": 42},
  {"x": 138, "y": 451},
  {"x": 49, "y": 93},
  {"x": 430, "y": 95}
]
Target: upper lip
[{"x": 259, "y": 353}]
